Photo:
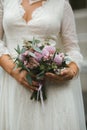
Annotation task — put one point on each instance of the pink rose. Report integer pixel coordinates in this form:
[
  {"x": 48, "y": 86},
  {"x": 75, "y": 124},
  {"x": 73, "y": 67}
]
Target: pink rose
[
  {"x": 50, "y": 49},
  {"x": 25, "y": 62},
  {"x": 45, "y": 54},
  {"x": 59, "y": 58},
  {"x": 32, "y": 63},
  {"x": 26, "y": 53},
  {"x": 38, "y": 56},
  {"x": 48, "y": 52}
]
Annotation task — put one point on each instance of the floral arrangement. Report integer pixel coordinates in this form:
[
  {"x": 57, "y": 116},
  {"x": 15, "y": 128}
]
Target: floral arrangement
[{"x": 37, "y": 58}]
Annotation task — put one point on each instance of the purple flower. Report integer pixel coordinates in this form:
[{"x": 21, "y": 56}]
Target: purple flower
[
  {"x": 48, "y": 52},
  {"x": 50, "y": 49},
  {"x": 32, "y": 63},
  {"x": 26, "y": 53},
  {"x": 38, "y": 56},
  {"x": 21, "y": 57},
  {"x": 59, "y": 58},
  {"x": 45, "y": 54},
  {"x": 25, "y": 62}
]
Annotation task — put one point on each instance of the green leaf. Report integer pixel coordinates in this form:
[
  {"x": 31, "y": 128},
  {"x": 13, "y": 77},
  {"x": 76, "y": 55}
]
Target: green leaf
[
  {"x": 40, "y": 77},
  {"x": 40, "y": 74},
  {"x": 18, "y": 49},
  {"x": 58, "y": 50},
  {"x": 54, "y": 66},
  {"x": 37, "y": 41},
  {"x": 23, "y": 50},
  {"x": 26, "y": 69},
  {"x": 33, "y": 42},
  {"x": 32, "y": 54},
  {"x": 42, "y": 67},
  {"x": 37, "y": 49},
  {"x": 29, "y": 79}
]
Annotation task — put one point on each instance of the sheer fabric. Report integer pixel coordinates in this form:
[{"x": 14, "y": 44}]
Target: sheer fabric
[{"x": 64, "y": 106}]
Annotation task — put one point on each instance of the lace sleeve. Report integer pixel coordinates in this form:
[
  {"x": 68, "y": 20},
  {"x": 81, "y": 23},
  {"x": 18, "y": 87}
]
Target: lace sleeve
[
  {"x": 68, "y": 31},
  {"x": 3, "y": 48}
]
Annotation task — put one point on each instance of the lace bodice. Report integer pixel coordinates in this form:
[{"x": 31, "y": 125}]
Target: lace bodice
[{"x": 47, "y": 21}]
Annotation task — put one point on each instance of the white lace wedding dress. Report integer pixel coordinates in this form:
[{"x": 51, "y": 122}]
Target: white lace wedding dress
[{"x": 63, "y": 109}]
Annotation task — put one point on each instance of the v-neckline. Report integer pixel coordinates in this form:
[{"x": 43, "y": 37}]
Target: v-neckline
[{"x": 33, "y": 12}]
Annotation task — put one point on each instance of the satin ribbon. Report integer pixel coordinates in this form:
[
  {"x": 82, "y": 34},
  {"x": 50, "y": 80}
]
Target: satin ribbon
[{"x": 39, "y": 92}]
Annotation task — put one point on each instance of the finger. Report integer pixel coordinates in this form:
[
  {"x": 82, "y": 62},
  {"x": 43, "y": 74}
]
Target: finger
[
  {"x": 64, "y": 72},
  {"x": 50, "y": 75},
  {"x": 53, "y": 76},
  {"x": 24, "y": 73},
  {"x": 35, "y": 83},
  {"x": 26, "y": 84},
  {"x": 67, "y": 77},
  {"x": 62, "y": 77}
]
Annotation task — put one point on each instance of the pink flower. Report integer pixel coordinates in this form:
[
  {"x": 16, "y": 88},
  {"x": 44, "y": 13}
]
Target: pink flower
[
  {"x": 32, "y": 63},
  {"x": 25, "y": 62},
  {"x": 50, "y": 49},
  {"x": 38, "y": 56},
  {"x": 45, "y": 53},
  {"x": 21, "y": 57},
  {"x": 26, "y": 53},
  {"x": 48, "y": 52},
  {"x": 59, "y": 58}
]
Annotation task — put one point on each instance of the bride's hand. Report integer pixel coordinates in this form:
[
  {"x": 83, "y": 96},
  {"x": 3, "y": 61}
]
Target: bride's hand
[
  {"x": 8, "y": 65},
  {"x": 66, "y": 74},
  {"x": 21, "y": 78}
]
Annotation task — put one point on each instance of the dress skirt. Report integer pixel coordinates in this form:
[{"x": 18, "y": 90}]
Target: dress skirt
[{"x": 63, "y": 109}]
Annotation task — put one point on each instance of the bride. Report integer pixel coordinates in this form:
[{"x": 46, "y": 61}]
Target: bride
[{"x": 63, "y": 109}]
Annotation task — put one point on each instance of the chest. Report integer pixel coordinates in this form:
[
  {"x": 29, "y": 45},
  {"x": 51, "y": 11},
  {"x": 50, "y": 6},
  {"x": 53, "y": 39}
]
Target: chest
[
  {"x": 46, "y": 17},
  {"x": 29, "y": 9}
]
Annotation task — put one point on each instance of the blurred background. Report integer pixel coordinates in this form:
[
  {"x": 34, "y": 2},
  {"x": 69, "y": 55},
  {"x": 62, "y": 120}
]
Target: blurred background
[{"x": 80, "y": 10}]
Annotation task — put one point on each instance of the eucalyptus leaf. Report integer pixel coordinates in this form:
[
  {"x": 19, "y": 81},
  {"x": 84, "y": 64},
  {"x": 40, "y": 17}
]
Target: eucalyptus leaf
[
  {"x": 37, "y": 49},
  {"x": 37, "y": 41},
  {"x": 29, "y": 79},
  {"x": 23, "y": 50},
  {"x": 17, "y": 51},
  {"x": 33, "y": 42},
  {"x": 67, "y": 59},
  {"x": 25, "y": 68},
  {"x": 18, "y": 47},
  {"x": 40, "y": 77},
  {"x": 32, "y": 54},
  {"x": 40, "y": 74}
]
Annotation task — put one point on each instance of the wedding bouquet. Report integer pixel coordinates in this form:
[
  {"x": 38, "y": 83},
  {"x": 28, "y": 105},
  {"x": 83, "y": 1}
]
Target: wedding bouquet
[{"x": 37, "y": 58}]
